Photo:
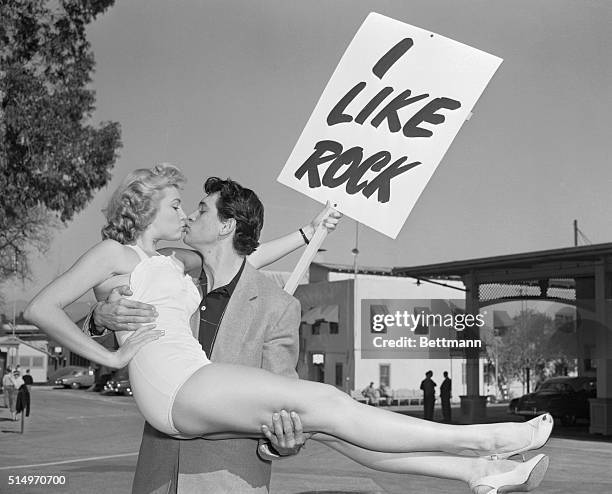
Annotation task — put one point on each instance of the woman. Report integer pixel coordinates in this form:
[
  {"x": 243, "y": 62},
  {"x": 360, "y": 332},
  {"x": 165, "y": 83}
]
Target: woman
[{"x": 176, "y": 386}]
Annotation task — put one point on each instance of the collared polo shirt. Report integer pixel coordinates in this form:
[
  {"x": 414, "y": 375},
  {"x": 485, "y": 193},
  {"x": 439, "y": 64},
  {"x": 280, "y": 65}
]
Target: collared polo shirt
[{"x": 212, "y": 309}]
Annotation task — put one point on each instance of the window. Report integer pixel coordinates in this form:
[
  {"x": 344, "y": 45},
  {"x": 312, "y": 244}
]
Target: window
[
  {"x": 24, "y": 361},
  {"x": 316, "y": 327},
  {"x": 385, "y": 374},
  {"x": 333, "y": 328},
  {"x": 377, "y": 318},
  {"x": 37, "y": 362},
  {"x": 318, "y": 358},
  {"x": 339, "y": 376},
  {"x": 421, "y": 328},
  {"x": 78, "y": 360}
]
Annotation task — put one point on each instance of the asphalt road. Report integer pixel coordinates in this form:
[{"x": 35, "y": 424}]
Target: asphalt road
[{"x": 93, "y": 440}]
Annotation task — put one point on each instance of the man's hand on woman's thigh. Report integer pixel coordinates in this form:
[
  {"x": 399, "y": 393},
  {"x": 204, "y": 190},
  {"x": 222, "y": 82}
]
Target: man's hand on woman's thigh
[{"x": 286, "y": 436}]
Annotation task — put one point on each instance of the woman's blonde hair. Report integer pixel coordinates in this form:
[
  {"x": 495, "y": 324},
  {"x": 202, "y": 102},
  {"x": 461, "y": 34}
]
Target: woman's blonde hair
[{"x": 134, "y": 203}]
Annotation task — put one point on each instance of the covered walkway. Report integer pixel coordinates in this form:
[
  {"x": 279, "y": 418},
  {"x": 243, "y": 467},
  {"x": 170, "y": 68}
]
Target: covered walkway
[{"x": 581, "y": 276}]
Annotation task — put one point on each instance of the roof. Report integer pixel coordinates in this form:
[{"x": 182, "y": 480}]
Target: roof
[
  {"x": 346, "y": 268},
  {"x": 555, "y": 262},
  {"x": 13, "y": 340}
]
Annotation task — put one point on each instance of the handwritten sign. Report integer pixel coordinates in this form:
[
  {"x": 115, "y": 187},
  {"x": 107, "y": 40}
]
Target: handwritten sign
[{"x": 388, "y": 115}]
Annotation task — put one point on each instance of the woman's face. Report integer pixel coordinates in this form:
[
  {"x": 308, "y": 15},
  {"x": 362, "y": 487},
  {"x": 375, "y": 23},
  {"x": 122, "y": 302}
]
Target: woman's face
[{"x": 170, "y": 219}]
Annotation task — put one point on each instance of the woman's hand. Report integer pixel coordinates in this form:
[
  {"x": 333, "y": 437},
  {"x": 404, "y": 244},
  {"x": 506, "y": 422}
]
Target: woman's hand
[{"x": 135, "y": 342}]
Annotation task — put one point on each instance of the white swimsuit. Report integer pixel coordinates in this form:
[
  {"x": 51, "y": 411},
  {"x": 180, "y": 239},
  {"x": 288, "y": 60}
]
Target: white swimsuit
[{"x": 161, "y": 367}]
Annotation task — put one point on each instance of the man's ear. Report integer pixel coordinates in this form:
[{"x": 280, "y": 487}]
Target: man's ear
[{"x": 228, "y": 226}]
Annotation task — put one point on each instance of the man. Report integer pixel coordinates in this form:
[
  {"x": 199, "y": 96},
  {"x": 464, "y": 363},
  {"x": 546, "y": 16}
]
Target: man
[
  {"x": 27, "y": 378},
  {"x": 386, "y": 393},
  {"x": 371, "y": 394},
  {"x": 445, "y": 396},
  {"x": 429, "y": 395},
  {"x": 17, "y": 383},
  {"x": 244, "y": 318},
  {"x": 8, "y": 386}
]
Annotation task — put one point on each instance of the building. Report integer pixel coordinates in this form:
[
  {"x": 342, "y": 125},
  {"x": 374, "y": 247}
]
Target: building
[
  {"x": 24, "y": 345},
  {"x": 337, "y": 304},
  {"x": 580, "y": 276}
]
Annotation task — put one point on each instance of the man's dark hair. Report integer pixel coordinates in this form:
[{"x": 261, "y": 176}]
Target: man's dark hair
[{"x": 244, "y": 206}]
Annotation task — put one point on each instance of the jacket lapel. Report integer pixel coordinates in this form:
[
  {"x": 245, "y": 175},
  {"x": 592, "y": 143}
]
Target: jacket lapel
[{"x": 238, "y": 317}]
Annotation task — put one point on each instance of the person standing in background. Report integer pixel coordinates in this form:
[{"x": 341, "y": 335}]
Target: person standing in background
[
  {"x": 7, "y": 384},
  {"x": 17, "y": 383},
  {"x": 28, "y": 379},
  {"x": 445, "y": 396},
  {"x": 429, "y": 395}
]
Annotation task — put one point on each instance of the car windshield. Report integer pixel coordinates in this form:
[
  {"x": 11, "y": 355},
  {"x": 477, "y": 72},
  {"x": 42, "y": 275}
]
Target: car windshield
[
  {"x": 569, "y": 385},
  {"x": 556, "y": 386}
]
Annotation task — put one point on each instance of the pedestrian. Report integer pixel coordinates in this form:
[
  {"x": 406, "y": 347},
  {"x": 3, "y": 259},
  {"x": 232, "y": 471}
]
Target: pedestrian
[
  {"x": 7, "y": 384},
  {"x": 445, "y": 397},
  {"x": 429, "y": 395},
  {"x": 17, "y": 383},
  {"x": 27, "y": 378},
  {"x": 22, "y": 403}
]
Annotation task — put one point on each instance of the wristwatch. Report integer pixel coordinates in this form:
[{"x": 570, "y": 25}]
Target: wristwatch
[{"x": 91, "y": 325}]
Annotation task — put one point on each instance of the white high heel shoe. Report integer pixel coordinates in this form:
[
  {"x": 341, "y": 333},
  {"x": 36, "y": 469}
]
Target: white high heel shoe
[
  {"x": 525, "y": 477},
  {"x": 541, "y": 427}
]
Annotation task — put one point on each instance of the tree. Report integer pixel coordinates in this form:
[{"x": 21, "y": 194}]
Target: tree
[
  {"x": 52, "y": 158},
  {"x": 525, "y": 345}
]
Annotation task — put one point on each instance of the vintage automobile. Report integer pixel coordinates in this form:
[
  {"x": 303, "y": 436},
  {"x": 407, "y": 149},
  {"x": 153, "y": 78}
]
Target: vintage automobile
[
  {"x": 76, "y": 379},
  {"x": 565, "y": 398},
  {"x": 119, "y": 383},
  {"x": 121, "y": 387}
]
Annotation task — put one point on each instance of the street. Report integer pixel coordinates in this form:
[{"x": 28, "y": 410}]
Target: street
[{"x": 93, "y": 441}]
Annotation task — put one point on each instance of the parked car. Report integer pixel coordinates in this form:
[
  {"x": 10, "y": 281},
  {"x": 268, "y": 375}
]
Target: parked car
[
  {"x": 56, "y": 374},
  {"x": 76, "y": 378},
  {"x": 120, "y": 387},
  {"x": 565, "y": 398},
  {"x": 119, "y": 383}
]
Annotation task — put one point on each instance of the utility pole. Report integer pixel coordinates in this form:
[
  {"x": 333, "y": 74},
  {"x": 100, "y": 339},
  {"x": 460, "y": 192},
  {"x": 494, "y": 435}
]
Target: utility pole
[{"x": 575, "y": 233}]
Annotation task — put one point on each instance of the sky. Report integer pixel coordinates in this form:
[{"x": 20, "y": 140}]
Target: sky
[{"x": 224, "y": 88}]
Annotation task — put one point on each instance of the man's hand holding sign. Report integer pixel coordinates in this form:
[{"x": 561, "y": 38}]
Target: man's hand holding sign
[{"x": 382, "y": 125}]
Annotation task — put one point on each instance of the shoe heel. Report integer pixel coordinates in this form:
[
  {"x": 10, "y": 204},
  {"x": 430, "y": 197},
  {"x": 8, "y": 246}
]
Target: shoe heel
[
  {"x": 536, "y": 475},
  {"x": 525, "y": 477}
]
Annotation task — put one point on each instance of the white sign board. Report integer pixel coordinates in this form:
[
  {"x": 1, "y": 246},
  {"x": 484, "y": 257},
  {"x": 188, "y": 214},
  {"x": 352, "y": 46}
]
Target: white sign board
[{"x": 383, "y": 123}]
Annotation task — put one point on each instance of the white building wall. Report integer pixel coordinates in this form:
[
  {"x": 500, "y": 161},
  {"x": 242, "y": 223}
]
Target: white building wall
[
  {"x": 36, "y": 361},
  {"x": 404, "y": 373}
]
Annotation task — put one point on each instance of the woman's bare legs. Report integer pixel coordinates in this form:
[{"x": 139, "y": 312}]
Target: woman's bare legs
[
  {"x": 437, "y": 465},
  {"x": 248, "y": 397}
]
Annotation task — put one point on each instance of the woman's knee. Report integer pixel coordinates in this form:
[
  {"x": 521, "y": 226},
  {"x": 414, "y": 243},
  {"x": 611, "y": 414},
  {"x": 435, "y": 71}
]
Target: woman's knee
[{"x": 331, "y": 395}]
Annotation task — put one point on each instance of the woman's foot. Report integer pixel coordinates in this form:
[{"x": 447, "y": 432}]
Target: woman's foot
[
  {"x": 538, "y": 430},
  {"x": 523, "y": 477},
  {"x": 500, "y": 441}
]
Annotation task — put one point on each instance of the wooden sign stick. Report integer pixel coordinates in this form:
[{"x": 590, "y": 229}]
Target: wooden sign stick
[{"x": 311, "y": 251}]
